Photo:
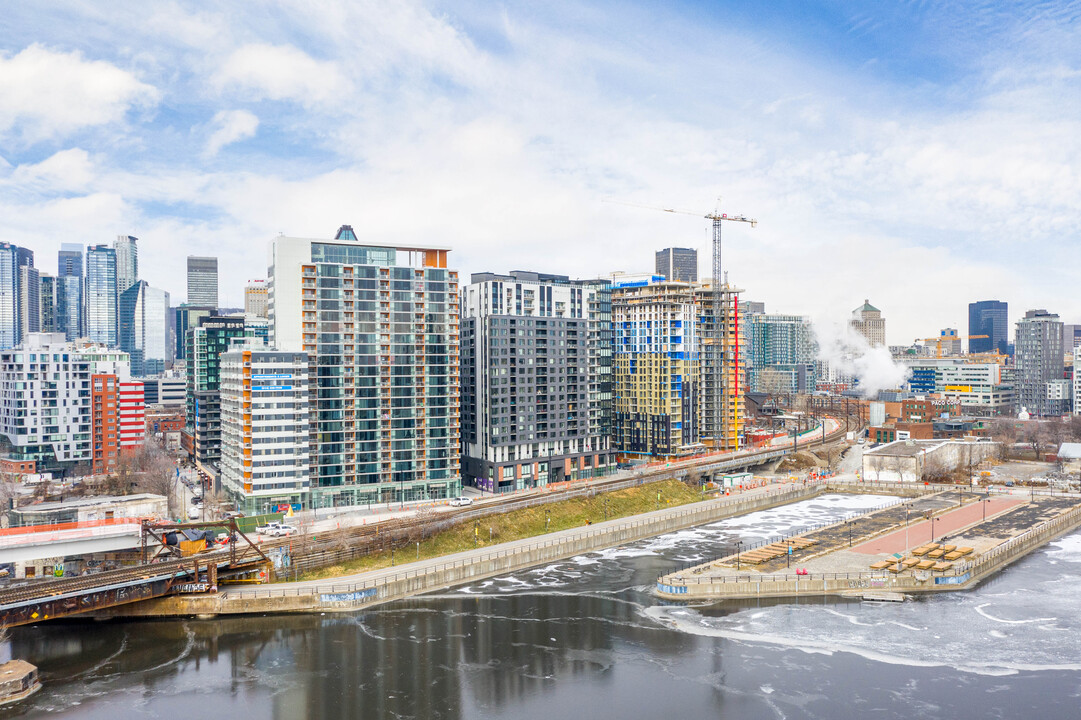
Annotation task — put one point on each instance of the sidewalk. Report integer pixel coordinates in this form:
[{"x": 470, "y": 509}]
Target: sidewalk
[{"x": 919, "y": 531}]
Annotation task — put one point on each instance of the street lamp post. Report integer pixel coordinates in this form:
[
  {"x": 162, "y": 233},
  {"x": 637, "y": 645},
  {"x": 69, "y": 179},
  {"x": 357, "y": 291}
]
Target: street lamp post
[
  {"x": 906, "y": 525},
  {"x": 933, "y": 529},
  {"x": 738, "y": 544}
]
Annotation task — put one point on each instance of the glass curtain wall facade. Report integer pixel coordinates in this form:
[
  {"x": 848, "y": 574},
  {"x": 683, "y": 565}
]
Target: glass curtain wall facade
[
  {"x": 988, "y": 317},
  {"x": 101, "y": 298},
  {"x": 144, "y": 328}
]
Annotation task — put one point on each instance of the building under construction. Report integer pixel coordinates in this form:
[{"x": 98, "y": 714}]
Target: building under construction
[
  {"x": 721, "y": 396},
  {"x": 671, "y": 396}
]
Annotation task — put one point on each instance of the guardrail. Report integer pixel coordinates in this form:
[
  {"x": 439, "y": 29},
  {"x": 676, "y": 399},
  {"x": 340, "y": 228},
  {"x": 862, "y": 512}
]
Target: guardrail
[
  {"x": 964, "y": 573},
  {"x": 734, "y": 505}
]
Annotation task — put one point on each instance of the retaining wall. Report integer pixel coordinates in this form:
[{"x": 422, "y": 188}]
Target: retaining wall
[
  {"x": 964, "y": 576},
  {"x": 382, "y": 586}
]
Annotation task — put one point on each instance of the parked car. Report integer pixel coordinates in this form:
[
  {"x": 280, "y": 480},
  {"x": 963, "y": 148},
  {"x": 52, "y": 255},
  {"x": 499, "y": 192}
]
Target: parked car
[
  {"x": 461, "y": 501},
  {"x": 276, "y": 529}
]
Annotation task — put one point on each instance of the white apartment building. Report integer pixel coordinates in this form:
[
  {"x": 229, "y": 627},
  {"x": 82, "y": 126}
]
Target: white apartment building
[
  {"x": 45, "y": 398},
  {"x": 264, "y": 427},
  {"x": 380, "y": 323}
]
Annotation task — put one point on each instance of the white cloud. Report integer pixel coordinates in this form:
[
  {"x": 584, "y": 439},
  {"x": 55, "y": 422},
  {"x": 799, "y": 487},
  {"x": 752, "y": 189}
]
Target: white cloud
[
  {"x": 229, "y": 127},
  {"x": 46, "y": 94},
  {"x": 66, "y": 171},
  {"x": 281, "y": 72}
]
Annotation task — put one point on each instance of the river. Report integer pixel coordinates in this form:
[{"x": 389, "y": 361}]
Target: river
[{"x": 584, "y": 638}]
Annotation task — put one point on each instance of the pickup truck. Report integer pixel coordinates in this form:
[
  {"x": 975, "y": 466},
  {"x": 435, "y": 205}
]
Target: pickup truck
[{"x": 276, "y": 529}]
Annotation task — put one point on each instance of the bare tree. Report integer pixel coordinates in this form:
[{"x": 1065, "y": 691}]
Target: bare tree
[
  {"x": 1073, "y": 427},
  {"x": 156, "y": 473},
  {"x": 935, "y": 470}
]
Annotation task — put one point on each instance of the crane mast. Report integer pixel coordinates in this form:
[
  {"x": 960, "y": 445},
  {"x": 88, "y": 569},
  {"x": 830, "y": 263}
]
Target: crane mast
[{"x": 722, "y": 384}]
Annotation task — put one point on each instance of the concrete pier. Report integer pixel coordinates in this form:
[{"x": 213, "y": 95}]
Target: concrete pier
[{"x": 996, "y": 531}]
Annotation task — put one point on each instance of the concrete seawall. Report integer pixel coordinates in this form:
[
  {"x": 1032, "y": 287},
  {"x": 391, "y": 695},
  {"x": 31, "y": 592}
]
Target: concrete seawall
[
  {"x": 964, "y": 576},
  {"x": 381, "y": 586}
]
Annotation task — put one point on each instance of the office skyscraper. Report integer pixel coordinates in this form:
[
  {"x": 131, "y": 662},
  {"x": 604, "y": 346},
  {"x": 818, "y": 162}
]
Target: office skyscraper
[
  {"x": 380, "y": 323},
  {"x": 678, "y": 264},
  {"x": 127, "y": 262},
  {"x": 536, "y": 380},
  {"x": 18, "y": 294},
  {"x": 101, "y": 310},
  {"x": 1039, "y": 363},
  {"x": 69, "y": 291},
  {"x": 144, "y": 328},
  {"x": 202, "y": 281},
  {"x": 988, "y": 317},
  {"x": 867, "y": 320}
]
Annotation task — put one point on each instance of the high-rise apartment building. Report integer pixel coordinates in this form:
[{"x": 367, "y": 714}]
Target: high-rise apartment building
[
  {"x": 721, "y": 381},
  {"x": 867, "y": 320},
  {"x": 988, "y": 317},
  {"x": 781, "y": 353},
  {"x": 202, "y": 281},
  {"x": 102, "y": 320},
  {"x": 265, "y": 428},
  {"x": 205, "y": 345},
  {"x": 655, "y": 366},
  {"x": 105, "y": 425},
  {"x": 47, "y": 302},
  {"x": 127, "y": 262},
  {"x": 678, "y": 264},
  {"x": 1071, "y": 338},
  {"x": 255, "y": 298},
  {"x": 46, "y": 407},
  {"x": 536, "y": 380},
  {"x": 19, "y": 294},
  {"x": 1076, "y": 380},
  {"x": 1039, "y": 361},
  {"x": 131, "y": 420},
  {"x": 380, "y": 323},
  {"x": 144, "y": 328}
]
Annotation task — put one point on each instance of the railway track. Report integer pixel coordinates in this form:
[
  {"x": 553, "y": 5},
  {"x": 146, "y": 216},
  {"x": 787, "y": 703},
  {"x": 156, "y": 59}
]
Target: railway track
[{"x": 355, "y": 541}]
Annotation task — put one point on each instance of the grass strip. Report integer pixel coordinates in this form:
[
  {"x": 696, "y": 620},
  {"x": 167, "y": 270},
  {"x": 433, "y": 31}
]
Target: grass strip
[{"x": 526, "y": 523}]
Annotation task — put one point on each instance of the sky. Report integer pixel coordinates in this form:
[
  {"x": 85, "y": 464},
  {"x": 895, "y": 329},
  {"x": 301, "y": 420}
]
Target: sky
[{"x": 919, "y": 154}]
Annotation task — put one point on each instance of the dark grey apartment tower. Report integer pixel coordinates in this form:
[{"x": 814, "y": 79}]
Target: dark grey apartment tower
[
  {"x": 988, "y": 317},
  {"x": 536, "y": 380},
  {"x": 1039, "y": 365},
  {"x": 678, "y": 264}
]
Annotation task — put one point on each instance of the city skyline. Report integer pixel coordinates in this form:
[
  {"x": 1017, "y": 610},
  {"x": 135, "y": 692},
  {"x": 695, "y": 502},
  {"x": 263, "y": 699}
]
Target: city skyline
[{"x": 909, "y": 145}]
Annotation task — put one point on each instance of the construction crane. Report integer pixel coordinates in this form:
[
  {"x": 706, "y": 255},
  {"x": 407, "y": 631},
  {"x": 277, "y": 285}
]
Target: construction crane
[
  {"x": 938, "y": 341},
  {"x": 721, "y": 382}
]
